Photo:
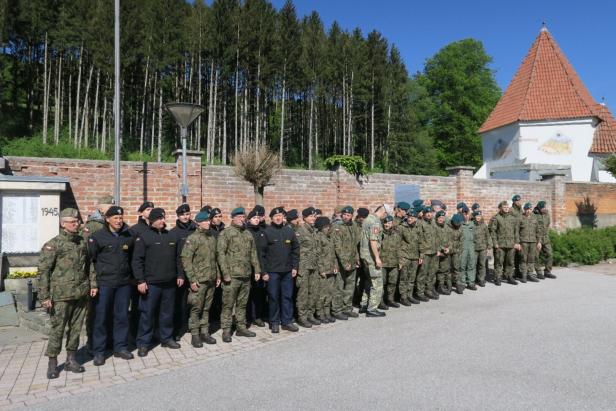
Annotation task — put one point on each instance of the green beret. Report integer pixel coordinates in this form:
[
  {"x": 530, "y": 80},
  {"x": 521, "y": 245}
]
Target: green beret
[
  {"x": 202, "y": 216},
  {"x": 440, "y": 213},
  {"x": 541, "y": 204},
  {"x": 69, "y": 213},
  {"x": 427, "y": 209},
  {"x": 516, "y": 198},
  {"x": 347, "y": 210},
  {"x": 457, "y": 219},
  {"x": 412, "y": 213},
  {"x": 528, "y": 206},
  {"x": 238, "y": 211},
  {"x": 418, "y": 203},
  {"x": 460, "y": 205},
  {"x": 475, "y": 206},
  {"x": 476, "y": 213},
  {"x": 388, "y": 218},
  {"x": 403, "y": 205}
]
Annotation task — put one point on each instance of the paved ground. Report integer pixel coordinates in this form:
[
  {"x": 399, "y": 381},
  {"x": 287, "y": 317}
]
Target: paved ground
[{"x": 548, "y": 345}]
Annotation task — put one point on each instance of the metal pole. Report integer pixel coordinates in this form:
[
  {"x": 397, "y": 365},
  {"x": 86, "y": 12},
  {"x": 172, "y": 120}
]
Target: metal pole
[
  {"x": 116, "y": 108},
  {"x": 184, "y": 177}
]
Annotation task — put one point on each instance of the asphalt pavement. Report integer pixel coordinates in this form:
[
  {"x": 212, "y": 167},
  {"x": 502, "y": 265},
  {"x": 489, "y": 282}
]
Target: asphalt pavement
[{"x": 549, "y": 345}]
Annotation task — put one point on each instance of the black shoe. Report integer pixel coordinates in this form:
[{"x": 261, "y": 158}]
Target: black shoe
[
  {"x": 71, "y": 363},
  {"x": 497, "y": 282},
  {"x": 304, "y": 323},
  {"x": 549, "y": 275},
  {"x": 323, "y": 319},
  {"x": 541, "y": 276},
  {"x": 405, "y": 302},
  {"x": 512, "y": 281},
  {"x": 362, "y": 310},
  {"x": 177, "y": 338},
  {"x": 52, "y": 368},
  {"x": 290, "y": 327},
  {"x": 99, "y": 359},
  {"x": 434, "y": 296},
  {"x": 173, "y": 345},
  {"x": 340, "y": 316},
  {"x": 124, "y": 354},
  {"x": 142, "y": 351},
  {"x": 259, "y": 322},
  {"x": 208, "y": 339},
  {"x": 523, "y": 280},
  {"x": 532, "y": 279},
  {"x": 242, "y": 332},
  {"x": 351, "y": 314},
  {"x": 275, "y": 328},
  {"x": 481, "y": 283},
  {"x": 423, "y": 298},
  {"x": 446, "y": 290},
  {"x": 383, "y": 306},
  {"x": 314, "y": 321},
  {"x": 196, "y": 341},
  {"x": 413, "y": 300},
  {"x": 472, "y": 287},
  {"x": 459, "y": 289},
  {"x": 226, "y": 336},
  {"x": 375, "y": 313},
  {"x": 393, "y": 304}
]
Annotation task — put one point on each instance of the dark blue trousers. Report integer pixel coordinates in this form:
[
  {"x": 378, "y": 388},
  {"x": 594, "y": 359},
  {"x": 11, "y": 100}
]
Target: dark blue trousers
[
  {"x": 256, "y": 303},
  {"x": 280, "y": 293},
  {"x": 160, "y": 299},
  {"x": 111, "y": 305}
]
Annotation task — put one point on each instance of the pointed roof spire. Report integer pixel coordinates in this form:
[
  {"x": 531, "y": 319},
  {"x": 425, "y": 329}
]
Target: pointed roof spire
[
  {"x": 544, "y": 27},
  {"x": 545, "y": 87}
]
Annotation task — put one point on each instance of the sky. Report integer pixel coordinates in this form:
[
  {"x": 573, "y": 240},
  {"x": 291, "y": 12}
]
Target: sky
[{"x": 585, "y": 31}]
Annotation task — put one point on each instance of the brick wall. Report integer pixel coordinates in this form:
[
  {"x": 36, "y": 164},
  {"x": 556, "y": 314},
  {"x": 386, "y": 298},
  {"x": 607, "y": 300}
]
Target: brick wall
[
  {"x": 218, "y": 186},
  {"x": 601, "y": 195}
]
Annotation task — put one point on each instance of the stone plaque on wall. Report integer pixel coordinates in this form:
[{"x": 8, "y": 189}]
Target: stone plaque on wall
[{"x": 20, "y": 222}]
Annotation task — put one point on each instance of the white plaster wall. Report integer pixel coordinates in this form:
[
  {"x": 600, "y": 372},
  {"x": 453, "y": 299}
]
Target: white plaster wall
[
  {"x": 49, "y": 220},
  {"x": 499, "y": 147}
]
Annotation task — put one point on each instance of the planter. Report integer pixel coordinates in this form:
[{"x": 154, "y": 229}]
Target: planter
[{"x": 19, "y": 285}]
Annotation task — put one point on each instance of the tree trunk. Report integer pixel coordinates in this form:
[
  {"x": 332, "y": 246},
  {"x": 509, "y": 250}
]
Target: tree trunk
[
  {"x": 145, "y": 90},
  {"x": 76, "y": 131},
  {"x": 344, "y": 112},
  {"x": 160, "y": 123},
  {"x": 257, "y": 98},
  {"x": 350, "y": 147},
  {"x": 199, "y": 99},
  {"x": 95, "y": 120},
  {"x": 210, "y": 115},
  {"x": 215, "y": 123},
  {"x": 58, "y": 104},
  {"x": 153, "y": 124},
  {"x": 310, "y": 133},
  {"x": 83, "y": 133},
  {"x": 70, "y": 105},
  {"x": 224, "y": 132},
  {"x": 45, "y": 93},
  {"x": 258, "y": 194},
  {"x": 103, "y": 146},
  {"x": 388, "y": 131}
]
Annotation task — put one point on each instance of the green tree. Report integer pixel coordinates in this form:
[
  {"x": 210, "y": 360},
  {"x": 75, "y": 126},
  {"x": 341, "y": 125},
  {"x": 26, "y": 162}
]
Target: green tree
[
  {"x": 463, "y": 91},
  {"x": 610, "y": 165}
]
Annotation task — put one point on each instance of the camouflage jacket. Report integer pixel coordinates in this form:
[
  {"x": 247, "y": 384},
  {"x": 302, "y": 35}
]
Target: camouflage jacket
[
  {"x": 543, "y": 227},
  {"x": 529, "y": 229},
  {"x": 428, "y": 241},
  {"x": 63, "y": 268},
  {"x": 409, "y": 246},
  {"x": 456, "y": 239},
  {"x": 199, "y": 257},
  {"x": 95, "y": 222},
  {"x": 372, "y": 230},
  {"x": 236, "y": 253},
  {"x": 344, "y": 237},
  {"x": 483, "y": 239},
  {"x": 504, "y": 230},
  {"x": 443, "y": 237},
  {"x": 308, "y": 247},
  {"x": 327, "y": 254},
  {"x": 516, "y": 212},
  {"x": 390, "y": 249}
]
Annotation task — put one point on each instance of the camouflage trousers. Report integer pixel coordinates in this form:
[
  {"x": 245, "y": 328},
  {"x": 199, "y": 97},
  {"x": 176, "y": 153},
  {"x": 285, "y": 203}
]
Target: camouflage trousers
[
  {"x": 504, "y": 263},
  {"x": 307, "y": 283},
  {"x": 527, "y": 259},
  {"x": 66, "y": 314},
  {"x": 390, "y": 281},
  {"x": 408, "y": 275},
  {"x": 546, "y": 255},
  {"x": 373, "y": 287},
  {"x": 482, "y": 264},
  {"x": 199, "y": 304},
  {"x": 327, "y": 286},
  {"x": 234, "y": 295},
  {"x": 343, "y": 293},
  {"x": 443, "y": 275},
  {"x": 426, "y": 277},
  {"x": 468, "y": 263}
]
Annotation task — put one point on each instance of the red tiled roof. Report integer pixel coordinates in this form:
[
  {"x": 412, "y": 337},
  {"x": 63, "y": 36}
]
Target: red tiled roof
[
  {"x": 545, "y": 87},
  {"x": 604, "y": 141}
]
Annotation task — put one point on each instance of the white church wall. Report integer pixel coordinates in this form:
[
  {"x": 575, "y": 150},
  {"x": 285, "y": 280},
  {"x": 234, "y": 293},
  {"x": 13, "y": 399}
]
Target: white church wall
[{"x": 499, "y": 147}]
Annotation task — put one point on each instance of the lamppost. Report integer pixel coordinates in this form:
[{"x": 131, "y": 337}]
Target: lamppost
[{"x": 184, "y": 114}]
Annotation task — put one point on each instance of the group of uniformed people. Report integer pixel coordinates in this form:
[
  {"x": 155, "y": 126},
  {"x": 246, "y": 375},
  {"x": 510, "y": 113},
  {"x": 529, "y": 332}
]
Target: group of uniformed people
[{"x": 147, "y": 283}]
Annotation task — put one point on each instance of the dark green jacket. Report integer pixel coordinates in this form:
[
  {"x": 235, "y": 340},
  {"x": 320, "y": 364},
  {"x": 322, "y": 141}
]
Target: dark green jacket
[
  {"x": 504, "y": 230},
  {"x": 483, "y": 239},
  {"x": 428, "y": 241},
  {"x": 199, "y": 257},
  {"x": 327, "y": 254},
  {"x": 308, "y": 247},
  {"x": 529, "y": 229},
  {"x": 409, "y": 246},
  {"x": 390, "y": 248},
  {"x": 237, "y": 253},
  {"x": 344, "y": 237}
]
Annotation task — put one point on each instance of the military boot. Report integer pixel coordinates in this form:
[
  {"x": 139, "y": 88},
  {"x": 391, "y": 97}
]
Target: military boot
[
  {"x": 314, "y": 320},
  {"x": 405, "y": 302},
  {"x": 523, "y": 279},
  {"x": 481, "y": 283},
  {"x": 52, "y": 368},
  {"x": 196, "y": 341},
  {"x": 226, "y": 336},
  {"x": 548, "y": 274},
  {"x": 207, "y": 338},
  {"x": 497, "y": 281},
  {"x": 383, "y": 306},
  {"x": 393, "y": 304},
  {"x": 259, "y": 322},
  {"x": 540, "y": 276},
  {"x": 340, "y": 316},
  {"x": 459, "y": 289},
  {"x": 413, "y": 300},
  {"x": 351, "y": 314},
  {"x": 512, "y": 281},
  {"x": 322, "y": 318},
  {"x": 435, "y": 295},
  {"x": 472, "y": 286},
  {"x": 72, "y": 364},
  {"x": 99, "y": 359},
  {"x": 243, "y": 332},
  {"x": 423, "y": 298},
  {"x": 532, "y": 279},
  {"x": 304, "y": 323}
]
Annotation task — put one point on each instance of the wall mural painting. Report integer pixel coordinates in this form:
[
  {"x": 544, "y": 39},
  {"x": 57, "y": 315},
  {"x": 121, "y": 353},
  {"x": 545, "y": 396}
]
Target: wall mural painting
[
  {"x": 557, "y": 145},
  {"x": 501, "y": 149}
]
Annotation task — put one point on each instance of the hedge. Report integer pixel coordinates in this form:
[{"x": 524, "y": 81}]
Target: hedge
[{"x": 583, "y": 245}]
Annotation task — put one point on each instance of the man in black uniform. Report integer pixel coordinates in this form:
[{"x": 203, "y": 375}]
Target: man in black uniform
[
  {"x": 142, "y": 221},
  {"x": 184, "y": 226},
  {"x": 217, "y": 225},
  {"x": 292, "y": 218},
  {"x": 280, "y": 263},
  {"x": 155, "y": 266},
  {"x": 110, "y": 251},
  {"x": 257, "y": 298}
]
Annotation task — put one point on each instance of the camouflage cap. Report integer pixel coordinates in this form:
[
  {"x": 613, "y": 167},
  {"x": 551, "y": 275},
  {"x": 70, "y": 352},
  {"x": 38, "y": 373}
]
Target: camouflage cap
[
  {"x": 106, "y": 200},
  {"x": 69, "y": 213}
]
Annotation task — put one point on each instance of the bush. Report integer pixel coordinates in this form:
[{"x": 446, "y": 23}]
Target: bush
[
  {"x": 583, "y": 246},
  {"x": 354, "y": 165},
  {"x": 22, "y": 274},
  {"x": 34, "y": 147}
]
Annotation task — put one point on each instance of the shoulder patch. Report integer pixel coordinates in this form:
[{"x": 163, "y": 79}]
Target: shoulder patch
[
  {"x": 376, "y": 230},
  {"x": 48, "y": 247},
  {"x": 138, "y": 239},
  {"x": 86, "y": 229}
]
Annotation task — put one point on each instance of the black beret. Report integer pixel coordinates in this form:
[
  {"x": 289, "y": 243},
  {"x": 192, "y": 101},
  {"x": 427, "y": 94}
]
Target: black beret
[
  {"x": 207, "y": 208},
  {"x": 252, "y": 214},
  {"x": 308, "y": 211},
  {"x": 321, "y": 222},
  {"x": 114, "y": 210},
  {"x": 184, "y": 208},
  {"x": 475, "y": 206},
  {"x": 318, "y": 211},
  {"x": 260, "y": 210},
  {"x": 277, "y": 210},
  {"x": 363, "y": 212},
  {"x": 147, "y": 204},
  {"x": 215, "y": 211},
  {"x": 292, "y": 215},
  {"x": 156, "y": 214}
]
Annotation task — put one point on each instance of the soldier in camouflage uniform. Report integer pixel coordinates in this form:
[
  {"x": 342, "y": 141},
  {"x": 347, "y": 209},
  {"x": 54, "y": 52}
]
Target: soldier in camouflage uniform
[
  {"x": 529, "y": 230},
  {"x": 345, "y": 240},
  {"x": 505, "y": 238},
  {"x": 369, "y": 251},
  {"x": 455, "y": 254},
  {"x": 428, "y": 247},
  {"x": 390, "y": 256},
  {"x": 444, "y": 238},
  {"x": 516, "y": 211},
  {"x": 328, "y": 271},
  {"x": 409, "y": 258},
  {"x": 236, "y": 253},
  {"x": 483, "y": 246},
  {"x": 64, "y": 289},
  {"x": 400, "y": 212},
  {"x": 203, "y": 276},
  {"x": 543, "y": 218},
  {"x": 96, "y": 220},
  {"x": 306, "y": 279},
  {"x": 362, "y": 270}
]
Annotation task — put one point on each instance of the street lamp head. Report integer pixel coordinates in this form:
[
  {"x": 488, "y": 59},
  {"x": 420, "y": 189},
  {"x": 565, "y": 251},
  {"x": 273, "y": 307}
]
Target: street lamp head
[{"x": 184, "y": 113}]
